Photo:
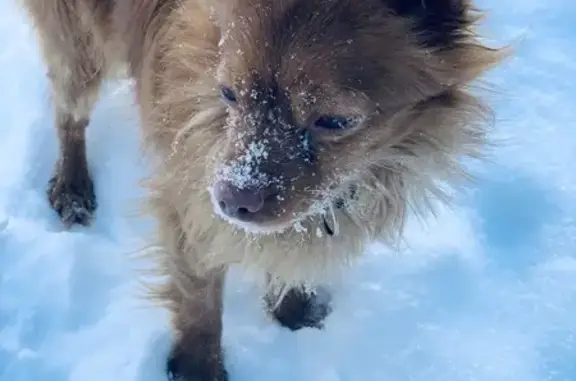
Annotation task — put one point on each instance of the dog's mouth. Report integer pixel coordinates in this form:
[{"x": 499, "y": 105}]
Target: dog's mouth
[
  {"x": 256, "y": 216},
  {"x": 253, "y": 213}
]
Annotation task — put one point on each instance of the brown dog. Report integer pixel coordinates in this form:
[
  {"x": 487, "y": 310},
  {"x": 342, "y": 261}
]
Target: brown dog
[{"x": 290, "y": 134}]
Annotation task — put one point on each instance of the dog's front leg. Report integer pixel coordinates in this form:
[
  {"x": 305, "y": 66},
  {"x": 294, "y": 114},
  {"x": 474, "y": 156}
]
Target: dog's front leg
[
  {"x": 194, "y": 298},
  {"x": 197, "y": 320}
]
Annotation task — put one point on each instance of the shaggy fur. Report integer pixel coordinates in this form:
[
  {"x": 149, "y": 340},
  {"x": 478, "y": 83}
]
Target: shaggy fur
[{"x": 397, "y": 71}]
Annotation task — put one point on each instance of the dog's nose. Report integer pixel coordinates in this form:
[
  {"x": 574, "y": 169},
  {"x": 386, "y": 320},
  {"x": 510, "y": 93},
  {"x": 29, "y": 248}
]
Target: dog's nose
[{"x": 236, "y": 202}]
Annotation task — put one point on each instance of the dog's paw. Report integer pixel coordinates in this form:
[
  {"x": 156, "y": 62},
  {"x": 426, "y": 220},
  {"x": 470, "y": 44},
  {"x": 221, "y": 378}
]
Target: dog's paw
[
  {"x": 300, "y": 309},
  {"x": 198, "y": 363},
  {"x": 73, "y": 199}
]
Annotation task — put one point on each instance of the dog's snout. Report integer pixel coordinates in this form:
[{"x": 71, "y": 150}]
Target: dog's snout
[{"x": 241, "y": 203}]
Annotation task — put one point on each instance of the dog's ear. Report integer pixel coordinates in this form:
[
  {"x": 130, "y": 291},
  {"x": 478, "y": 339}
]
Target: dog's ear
[{"x": 438, "y": 23}]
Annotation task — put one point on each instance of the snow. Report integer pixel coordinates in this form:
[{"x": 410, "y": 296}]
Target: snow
[{"x": 486, "y": 292}]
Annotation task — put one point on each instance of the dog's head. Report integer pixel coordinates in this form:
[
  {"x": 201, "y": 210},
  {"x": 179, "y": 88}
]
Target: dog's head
[{"x": 320, "y": 92}]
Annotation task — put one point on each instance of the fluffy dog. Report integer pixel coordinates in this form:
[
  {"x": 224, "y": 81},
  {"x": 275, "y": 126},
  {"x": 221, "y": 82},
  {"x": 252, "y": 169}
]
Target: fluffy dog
[{"x": 288, "y": 133}]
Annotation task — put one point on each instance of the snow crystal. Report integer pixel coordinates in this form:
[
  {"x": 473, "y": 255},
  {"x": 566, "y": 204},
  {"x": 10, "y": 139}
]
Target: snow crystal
[
  {"x": 244, "y": 171},
  {"x": 298, "y": 227}
]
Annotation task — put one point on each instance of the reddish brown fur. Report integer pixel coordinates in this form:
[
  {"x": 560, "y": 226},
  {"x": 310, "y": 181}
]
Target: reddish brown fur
[{"x": 401, "y": 67}]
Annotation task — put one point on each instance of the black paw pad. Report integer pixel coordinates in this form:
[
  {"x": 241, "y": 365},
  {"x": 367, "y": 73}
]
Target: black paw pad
[
  {"x": 203, "y": 366},
  {"x": 75, "y": 204},
  {"x": 300, "y": 309}
]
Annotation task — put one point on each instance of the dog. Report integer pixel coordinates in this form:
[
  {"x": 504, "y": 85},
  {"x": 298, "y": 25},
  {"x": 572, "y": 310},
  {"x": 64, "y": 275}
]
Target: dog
[{"x": 285, "y": 136}]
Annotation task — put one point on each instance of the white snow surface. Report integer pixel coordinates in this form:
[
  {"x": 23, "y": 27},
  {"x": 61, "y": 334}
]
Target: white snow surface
[{"x": 484, "y": 292}]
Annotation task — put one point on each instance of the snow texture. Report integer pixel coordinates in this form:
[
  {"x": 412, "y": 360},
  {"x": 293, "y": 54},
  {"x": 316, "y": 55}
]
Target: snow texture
[{"x": 486, "y": 292}]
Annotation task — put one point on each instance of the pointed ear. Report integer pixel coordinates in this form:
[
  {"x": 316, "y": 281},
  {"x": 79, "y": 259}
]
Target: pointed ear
[{"x": 439, "y": 23}]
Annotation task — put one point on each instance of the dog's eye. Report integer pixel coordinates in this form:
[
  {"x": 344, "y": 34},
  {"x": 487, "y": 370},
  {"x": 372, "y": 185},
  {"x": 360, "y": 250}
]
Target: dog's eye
[
  {"x": 335, "y": 122},
  {"x": 228, "y": 94}
]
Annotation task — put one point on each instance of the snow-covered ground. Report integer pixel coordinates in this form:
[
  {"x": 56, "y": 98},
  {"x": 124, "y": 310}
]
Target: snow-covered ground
[{"x": 487, "y": 292}]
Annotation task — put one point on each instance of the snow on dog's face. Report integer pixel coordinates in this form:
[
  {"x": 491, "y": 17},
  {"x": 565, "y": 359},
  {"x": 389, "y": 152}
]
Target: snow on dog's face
[{"x": 320, "y": 91}]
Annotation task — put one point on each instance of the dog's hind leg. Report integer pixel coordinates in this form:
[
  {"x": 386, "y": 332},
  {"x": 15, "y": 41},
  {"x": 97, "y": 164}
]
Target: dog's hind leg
[{"x": 75, "y": 70}]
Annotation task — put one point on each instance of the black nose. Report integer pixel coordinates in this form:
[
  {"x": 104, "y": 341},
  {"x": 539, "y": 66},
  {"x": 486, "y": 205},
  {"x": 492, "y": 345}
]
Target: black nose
[{"x": 238, "y": 203}]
